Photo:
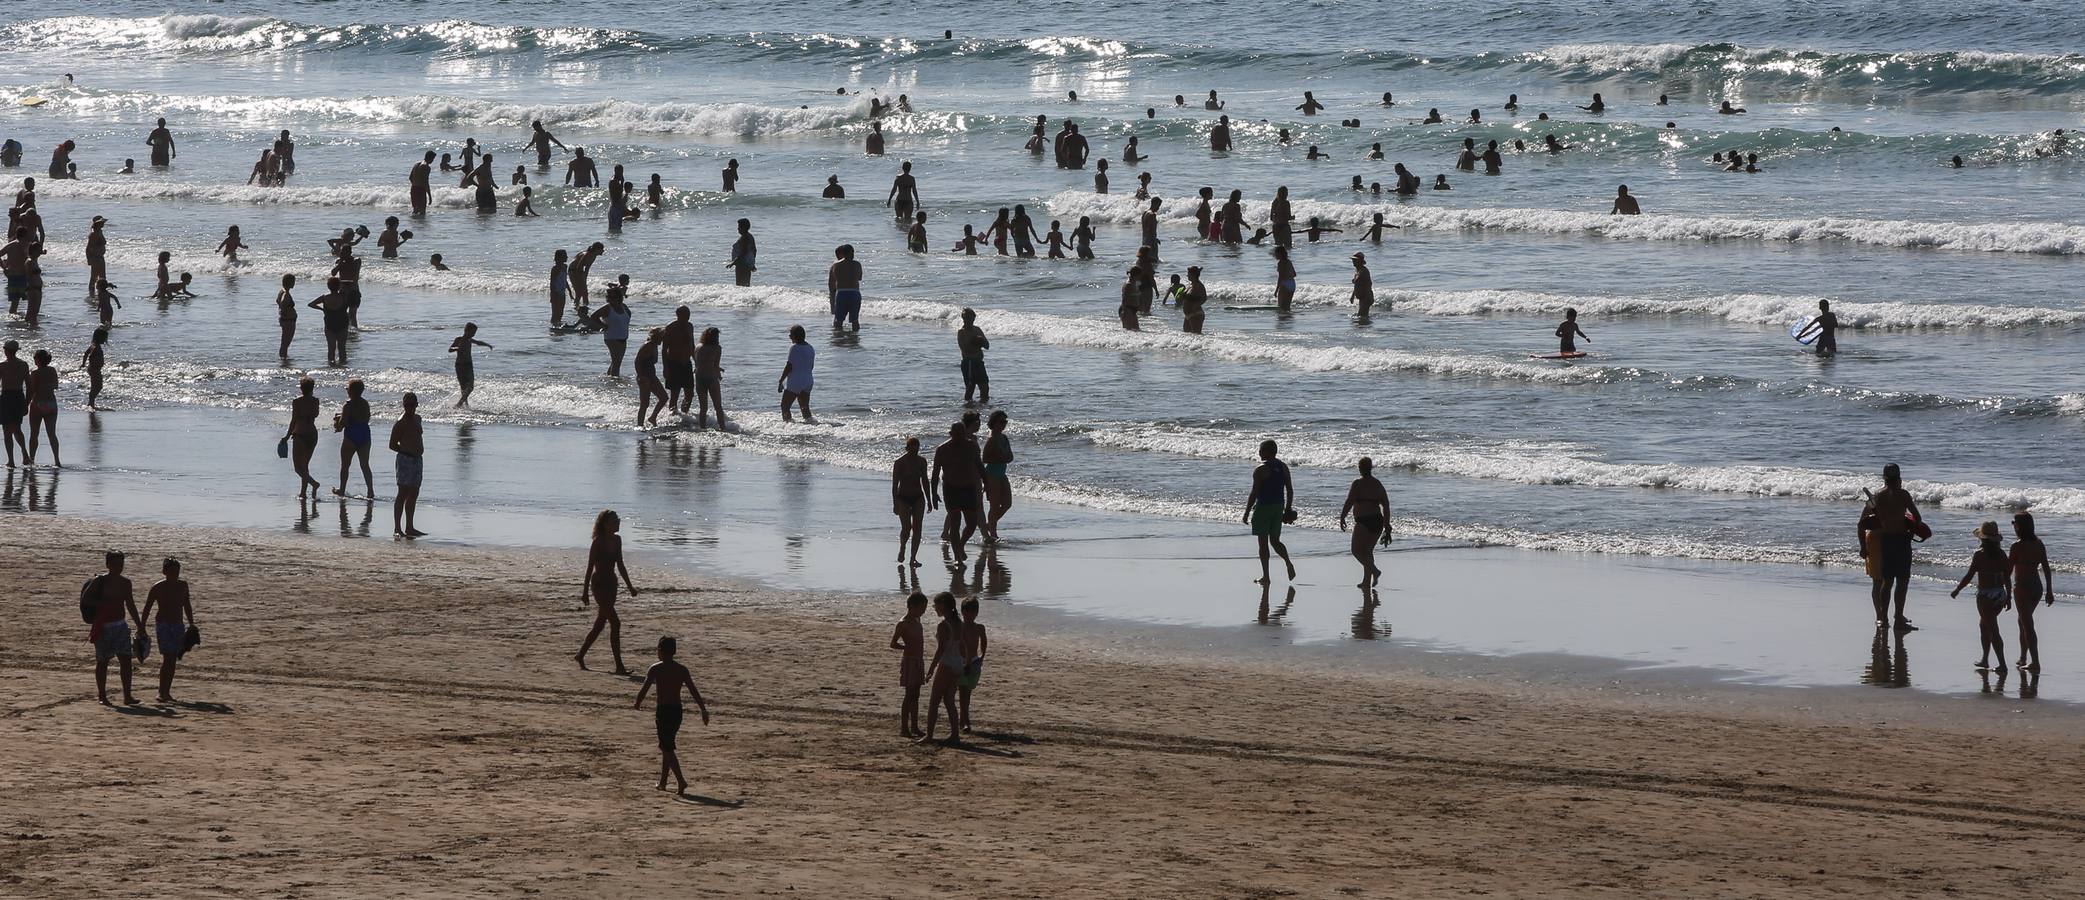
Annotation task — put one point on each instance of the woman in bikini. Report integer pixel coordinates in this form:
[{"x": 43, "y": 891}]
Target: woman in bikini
[
  {"x": 603, "y": 561},
  {"x": 948, "y": 665},
  {"x": 2033, "y": 583}
]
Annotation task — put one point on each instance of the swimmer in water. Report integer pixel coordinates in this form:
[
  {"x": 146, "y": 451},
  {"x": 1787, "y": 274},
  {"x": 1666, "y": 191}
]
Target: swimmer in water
[
  {"x": 1082, "y": 238},
  {"x": 1476, "y": 118},
  {"x": 1357, "y": 187},
  {"x": 1312, "y": 232},
  {"x": 1374, "y": 234},
  {"x": 1957, "y": 162},
  {"x": 1440, "y": 183},
  {"x": 875, "y": 140},
  {"x": 1597, "y": 106},
  {"x": 916, "y": 236},
  {"x": 1388, "y": 100},
  {"x": 1220, "y": 134},
  {"x": 1212, "y": 103},
  {"x": 1661, "y": 100},
  {"x": 1624, "y": 205},
  {"x": 1375, "y": 151},
  {"x": 1513, "y": 103},
  {"x": 833, "y": 190},
  {"x": 1310, "y": 105},
  {"x": 1467, "y": 160},
  {"x": 1284, "y": 278},
  {"x": 1433, "y": 117},
  {"x": 522, "y": 206},
  {"x": 904, "y": 192},
  {"x": 1055, "y": 240},
  {"x": 1568, "y": 331},
  {"x": 1491, "y": 158},
  {"x": 1313, "y": 154},
  {"x": 1554, "y": 146},
  {"x": 1729, "y": 110},
  {"x": 1129, "y": 152},
  {"x": 540, "y": 141}
]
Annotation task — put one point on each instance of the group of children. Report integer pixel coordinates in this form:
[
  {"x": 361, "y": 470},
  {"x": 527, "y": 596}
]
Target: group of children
[{"x": 954, "y": 670}]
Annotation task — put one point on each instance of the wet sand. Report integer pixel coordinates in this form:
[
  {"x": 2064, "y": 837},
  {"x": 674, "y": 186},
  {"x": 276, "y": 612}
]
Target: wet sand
[{"x": 371, "y": 719}]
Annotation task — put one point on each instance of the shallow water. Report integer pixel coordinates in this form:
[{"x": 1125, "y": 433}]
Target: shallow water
[{"x": 1695, "y": 429}]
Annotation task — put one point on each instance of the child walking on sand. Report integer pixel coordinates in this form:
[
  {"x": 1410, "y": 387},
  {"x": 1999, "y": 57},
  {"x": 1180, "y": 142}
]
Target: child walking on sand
[
  {"x": 1994, "y": 593},
  {"x": 912, "y": 667},
  {"x": 670, "y": 676},
  {"x": 974, "y": 653}
]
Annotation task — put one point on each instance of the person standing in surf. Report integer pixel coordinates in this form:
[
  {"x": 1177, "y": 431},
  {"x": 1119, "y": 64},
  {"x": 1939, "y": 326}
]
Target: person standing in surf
[
  {"x": 407, "y": 442},
  {"x": 540, "y": 141},
  {"x": 355, "y": 439},
  {"x": 843, "y": 288},
  {"x": 909, "y": 497},
  {"x": 1891, "y": 519},
  {"x": 795, "y": 383},
  {"x": 971, "y": 345},
  {"x": 1271, "y": 504},
  {"x": 904, "y": 192},
  {"x": 303, "y": 435},
  {"x": 2033, "y": 583},
  {"x": 420, "y": 183},
  {"x": 466, "y": 372},
  {"x": 1825, "y": 327},
  {"x": 1568, "y": 332},
  {"x": 998, "y": 453},
  {"x": 162, "y": 143},
  {"x": 1370, "y": 505},
  {"x": 742, "y": 254}
]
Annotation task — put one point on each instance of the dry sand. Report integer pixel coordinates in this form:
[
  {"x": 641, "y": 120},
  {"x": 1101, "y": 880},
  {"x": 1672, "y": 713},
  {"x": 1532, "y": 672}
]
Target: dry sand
[{"x": 369, "y": 719}]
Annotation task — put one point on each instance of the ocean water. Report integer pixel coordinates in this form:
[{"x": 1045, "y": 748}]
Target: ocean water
[{"x": 1696, "y": 428}]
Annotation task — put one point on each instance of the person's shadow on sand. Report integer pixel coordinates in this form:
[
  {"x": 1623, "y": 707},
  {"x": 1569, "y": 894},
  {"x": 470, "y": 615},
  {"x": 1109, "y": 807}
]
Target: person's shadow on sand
[
  {"x": 709, "y": 801},
  {"x": 142, "y": 710},
  {"x": 203, "y": 706}
]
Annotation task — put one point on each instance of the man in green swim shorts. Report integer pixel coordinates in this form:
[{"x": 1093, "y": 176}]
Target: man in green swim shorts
[{"x": 1271, "y": 503}]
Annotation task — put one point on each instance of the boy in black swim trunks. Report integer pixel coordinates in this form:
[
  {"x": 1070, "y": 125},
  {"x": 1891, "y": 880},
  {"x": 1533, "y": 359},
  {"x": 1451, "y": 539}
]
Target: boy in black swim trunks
[{"x": 670, "y": 676}]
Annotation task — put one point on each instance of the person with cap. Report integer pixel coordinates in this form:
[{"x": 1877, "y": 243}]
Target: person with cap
[{"x": 1994, "y": 592}]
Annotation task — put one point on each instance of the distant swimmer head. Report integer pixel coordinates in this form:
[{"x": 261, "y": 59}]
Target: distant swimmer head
[
  {"x": 1672, "y": 125},
  {"x": 1267, "y": 449},
  {"x": 1179, "y": 100},
  {"x": 1542, "y": 117},
  {"x": 1073, "y": 96},
  {"x": 1150, "y": 112},
  {"x": 1958, "y": 162},
  {"x": 1387, "y": 99}
]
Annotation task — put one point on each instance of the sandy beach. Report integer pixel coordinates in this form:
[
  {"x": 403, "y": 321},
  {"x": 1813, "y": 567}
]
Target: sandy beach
[{"x": 371, "y": 719}]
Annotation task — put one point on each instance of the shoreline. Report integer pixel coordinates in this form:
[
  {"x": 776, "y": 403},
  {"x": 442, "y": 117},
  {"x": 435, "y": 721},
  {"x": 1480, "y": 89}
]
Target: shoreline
[
  {"x": 422, "y": 700},
  {"x": 787, "y": 524}
]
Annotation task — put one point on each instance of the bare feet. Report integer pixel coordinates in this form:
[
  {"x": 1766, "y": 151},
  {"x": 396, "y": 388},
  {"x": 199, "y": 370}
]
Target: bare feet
[{"x": 581, "y": 658}]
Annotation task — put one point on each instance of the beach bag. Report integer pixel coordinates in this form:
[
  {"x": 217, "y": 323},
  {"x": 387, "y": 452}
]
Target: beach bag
[{"x": 90, "y": 599}]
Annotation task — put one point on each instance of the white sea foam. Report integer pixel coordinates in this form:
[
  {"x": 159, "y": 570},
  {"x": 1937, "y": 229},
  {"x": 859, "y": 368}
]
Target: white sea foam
[
  {"x": 1532, "y": 464},
  {"x": 1750, "y": 309},
  {"x": 1997, "y": 237}
]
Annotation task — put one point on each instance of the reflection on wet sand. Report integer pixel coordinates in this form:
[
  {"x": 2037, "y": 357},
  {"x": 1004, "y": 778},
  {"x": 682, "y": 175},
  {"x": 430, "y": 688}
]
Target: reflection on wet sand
[
  {"x": 1888, "y": 665},
  {"x": 1274, "y": 616},
  {"x": 356, "y": 529},
  {"x": 1364, "y": 622},
  {"x": 36, "y": 491}
]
